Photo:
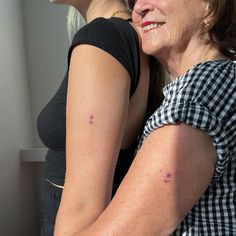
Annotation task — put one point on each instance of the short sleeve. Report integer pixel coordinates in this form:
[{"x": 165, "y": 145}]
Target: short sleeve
[
  {"x": 204, "y": 98},
  {"x": 118, "y": 38}
]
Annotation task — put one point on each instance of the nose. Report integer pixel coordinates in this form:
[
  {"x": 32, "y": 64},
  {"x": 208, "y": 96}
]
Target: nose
[{"x": 141, "y": 7}]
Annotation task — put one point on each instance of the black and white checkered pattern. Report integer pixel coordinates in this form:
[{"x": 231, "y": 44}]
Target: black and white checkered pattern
[{"x": 205, "y": 98}]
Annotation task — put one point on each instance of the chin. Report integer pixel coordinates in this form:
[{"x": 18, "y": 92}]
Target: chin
[{"x": 150, "y": 49}]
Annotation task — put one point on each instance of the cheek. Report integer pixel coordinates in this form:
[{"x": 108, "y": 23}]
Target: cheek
[
  {"x": 174, "y": 33},
  {"x": 178, "y": 24},
  {"x": 136, "y": 18}
]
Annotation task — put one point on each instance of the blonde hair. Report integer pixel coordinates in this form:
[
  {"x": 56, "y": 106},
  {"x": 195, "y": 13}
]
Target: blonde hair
[{"x": 74, "y": 21}]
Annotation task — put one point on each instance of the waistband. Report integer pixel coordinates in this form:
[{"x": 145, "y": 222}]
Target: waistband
[{"x": 56, "y": 185}]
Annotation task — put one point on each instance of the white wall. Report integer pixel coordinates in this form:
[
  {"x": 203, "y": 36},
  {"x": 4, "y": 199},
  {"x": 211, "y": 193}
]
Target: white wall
[
  {"x": 33, "y": 48},
  {"x": 46, "y": 51},
  {"x": 15, "y": 116}
]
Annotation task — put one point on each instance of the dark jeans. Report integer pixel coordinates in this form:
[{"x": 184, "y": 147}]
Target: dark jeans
[{"x": 51, "y": 197}]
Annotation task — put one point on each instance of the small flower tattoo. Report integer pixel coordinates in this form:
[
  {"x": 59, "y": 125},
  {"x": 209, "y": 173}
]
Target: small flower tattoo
[
  {"x": 167, "y": 177},
  {"x": 91, "y": 119}
]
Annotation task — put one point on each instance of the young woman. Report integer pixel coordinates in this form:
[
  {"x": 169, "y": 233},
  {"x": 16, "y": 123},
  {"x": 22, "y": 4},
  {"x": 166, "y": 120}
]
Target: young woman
[{"x": 92, "y": 123}]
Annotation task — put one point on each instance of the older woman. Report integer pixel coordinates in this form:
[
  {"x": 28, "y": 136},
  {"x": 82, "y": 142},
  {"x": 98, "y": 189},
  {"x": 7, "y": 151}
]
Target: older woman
[{"x": 183, "y": 179}]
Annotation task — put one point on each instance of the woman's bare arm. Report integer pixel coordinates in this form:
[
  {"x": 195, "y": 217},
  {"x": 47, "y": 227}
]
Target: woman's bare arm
[
  {"x": 97, "y": 107},
  {"x": 170, "y": 173}
]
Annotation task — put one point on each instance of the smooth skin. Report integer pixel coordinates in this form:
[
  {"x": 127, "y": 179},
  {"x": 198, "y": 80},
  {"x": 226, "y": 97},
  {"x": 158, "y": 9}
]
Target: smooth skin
[
  {"x": 176, "y": 163},
  {"x": 101, "y": 119},
  {"x": 94, "y": 134}
]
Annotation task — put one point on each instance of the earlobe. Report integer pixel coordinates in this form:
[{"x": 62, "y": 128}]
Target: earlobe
[
  {"x": 207, "y": 25},
  {"x": 208, "y": 16}
]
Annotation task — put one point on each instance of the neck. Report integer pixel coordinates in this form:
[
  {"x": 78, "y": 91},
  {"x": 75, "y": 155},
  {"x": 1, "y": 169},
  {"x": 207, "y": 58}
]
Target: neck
[
  {"x": 178, "y": 62},
  {"x": 102, "y": 8}
]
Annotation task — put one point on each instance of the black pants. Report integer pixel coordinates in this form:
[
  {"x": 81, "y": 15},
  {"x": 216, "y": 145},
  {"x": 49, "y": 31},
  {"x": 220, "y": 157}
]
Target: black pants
[{"x": 51, "y": 197}]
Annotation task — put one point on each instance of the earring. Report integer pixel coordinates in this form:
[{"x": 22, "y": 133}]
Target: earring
[{"x": 207, "y": 25}]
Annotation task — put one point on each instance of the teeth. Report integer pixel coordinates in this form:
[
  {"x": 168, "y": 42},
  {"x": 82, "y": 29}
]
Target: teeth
[{"x": 151, "y": 26}]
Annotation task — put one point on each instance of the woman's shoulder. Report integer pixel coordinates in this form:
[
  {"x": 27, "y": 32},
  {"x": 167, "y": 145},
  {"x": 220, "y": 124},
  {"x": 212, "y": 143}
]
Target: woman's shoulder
[
  {"x": 205, "y": 75},
  {"x": 115, "y": 36},
  {"x": 209, "y": 85},
  {"x": 209, "y": 69},
  {"x": 212, "y": 67},
  {"x": 109, "y": 30},
  {"x": 208, "y": 89}
]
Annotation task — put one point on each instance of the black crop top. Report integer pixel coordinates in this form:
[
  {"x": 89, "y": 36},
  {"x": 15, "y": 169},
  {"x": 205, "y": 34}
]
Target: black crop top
[{"x": 118, "y": 38}]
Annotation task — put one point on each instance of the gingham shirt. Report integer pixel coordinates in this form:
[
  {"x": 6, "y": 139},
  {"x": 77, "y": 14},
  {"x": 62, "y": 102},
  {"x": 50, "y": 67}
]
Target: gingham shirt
[{"x": 205, "y": 98}]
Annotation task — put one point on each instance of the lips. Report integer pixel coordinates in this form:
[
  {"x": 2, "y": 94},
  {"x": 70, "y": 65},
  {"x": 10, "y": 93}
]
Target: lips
[{"x": 150, "y": 25}]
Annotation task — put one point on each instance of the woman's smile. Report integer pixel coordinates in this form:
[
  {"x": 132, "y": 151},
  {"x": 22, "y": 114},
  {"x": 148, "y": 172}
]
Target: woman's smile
[{"x": 149, "y": 25}]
